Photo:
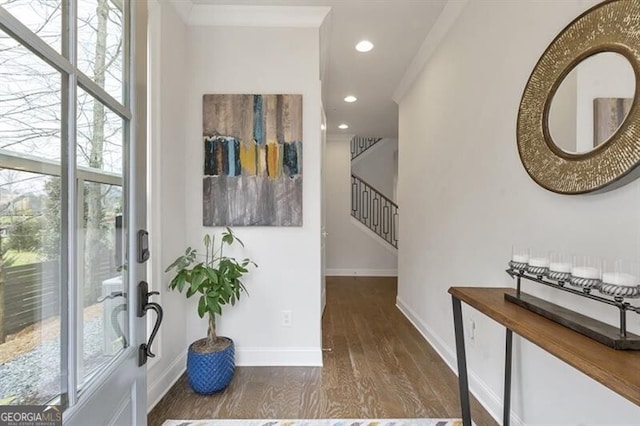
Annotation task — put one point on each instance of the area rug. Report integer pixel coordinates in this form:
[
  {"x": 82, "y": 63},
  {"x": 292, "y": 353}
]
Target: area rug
[{"x": 318, "y": 422}]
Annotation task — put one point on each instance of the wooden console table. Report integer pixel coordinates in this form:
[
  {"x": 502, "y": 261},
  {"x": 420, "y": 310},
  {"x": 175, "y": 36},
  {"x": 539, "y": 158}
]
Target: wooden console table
[{"x": 617, "y": 370}]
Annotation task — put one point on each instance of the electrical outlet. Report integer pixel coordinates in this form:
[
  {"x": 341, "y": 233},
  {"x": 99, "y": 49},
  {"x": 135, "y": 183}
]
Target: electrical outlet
[{"x": 287, "y": 319}]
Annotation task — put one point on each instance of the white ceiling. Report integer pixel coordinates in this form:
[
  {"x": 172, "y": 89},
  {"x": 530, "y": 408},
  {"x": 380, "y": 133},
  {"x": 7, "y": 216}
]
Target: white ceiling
[{"x": 397, "y": 28}]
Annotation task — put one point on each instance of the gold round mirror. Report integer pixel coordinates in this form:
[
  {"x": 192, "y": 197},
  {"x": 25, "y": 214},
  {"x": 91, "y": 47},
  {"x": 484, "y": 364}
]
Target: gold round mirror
[{"x": 578, "y": 124}]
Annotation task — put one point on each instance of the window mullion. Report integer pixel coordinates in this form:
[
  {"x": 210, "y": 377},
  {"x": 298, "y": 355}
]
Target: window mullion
[
  {"x": 69, "y": 207},
  {"x": 27, "y": 163},
  {"x": 79, "y": 287},
  {"x": 103, "y": 96},
  {"x": 34, "y": 43}
]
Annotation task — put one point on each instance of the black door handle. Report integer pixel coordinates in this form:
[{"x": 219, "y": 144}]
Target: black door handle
[{"x": 144, "y": 351}]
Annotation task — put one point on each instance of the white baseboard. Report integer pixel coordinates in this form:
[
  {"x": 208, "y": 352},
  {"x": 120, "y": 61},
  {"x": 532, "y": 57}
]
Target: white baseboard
[
  {"x": 289, "y": 357},
  {"x": 157, "y": 388},
  {"x": 361, "y": 272},
  {"x": 489, "y": 400}
]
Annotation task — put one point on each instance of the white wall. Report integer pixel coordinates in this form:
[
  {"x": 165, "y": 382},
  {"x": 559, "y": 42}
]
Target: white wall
[
  {"x": 466, "y": 199},
  {"x": 351, "y": 250},
  {"x": 167, "y": 38},
  {"x": 378, "y": 166},
  {"x": 261, "y": 60}
]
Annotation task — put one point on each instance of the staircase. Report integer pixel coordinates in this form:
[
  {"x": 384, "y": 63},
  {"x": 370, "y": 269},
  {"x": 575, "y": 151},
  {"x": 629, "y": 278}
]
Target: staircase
[
  {"x": 359, "y": 145},
  {"x": 368, "y": 205}
]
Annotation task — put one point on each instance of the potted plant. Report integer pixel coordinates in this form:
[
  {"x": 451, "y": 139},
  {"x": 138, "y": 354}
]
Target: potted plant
[{"x": 216, "y": 277}]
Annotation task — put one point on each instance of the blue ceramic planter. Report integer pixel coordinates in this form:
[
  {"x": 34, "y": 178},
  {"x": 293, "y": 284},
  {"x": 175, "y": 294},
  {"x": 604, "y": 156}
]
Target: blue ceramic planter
[{"x": 210, "y": 372}]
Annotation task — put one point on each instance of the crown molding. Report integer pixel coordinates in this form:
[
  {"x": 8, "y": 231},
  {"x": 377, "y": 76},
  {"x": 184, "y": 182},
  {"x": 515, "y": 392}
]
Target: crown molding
[
  {"x": 447, "y": 18},
  {"x": 339, "y": 137},
  {"x": 249, "y": 15}
]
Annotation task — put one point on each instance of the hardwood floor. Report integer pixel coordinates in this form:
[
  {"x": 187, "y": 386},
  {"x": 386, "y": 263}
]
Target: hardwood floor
[{"x": 378, "y": 366}]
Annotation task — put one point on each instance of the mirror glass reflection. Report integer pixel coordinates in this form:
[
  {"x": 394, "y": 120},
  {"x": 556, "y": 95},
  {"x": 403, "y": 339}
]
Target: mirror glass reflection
[{"x": 592, "y": 102}]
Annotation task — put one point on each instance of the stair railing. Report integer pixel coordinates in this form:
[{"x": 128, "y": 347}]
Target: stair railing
[
  {"x": 374, "y": 210},
  {"x": 360, "y": 144}
]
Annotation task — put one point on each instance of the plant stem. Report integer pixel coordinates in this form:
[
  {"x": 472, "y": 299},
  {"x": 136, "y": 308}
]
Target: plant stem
[
  {"x": 206, "y": 251},
  {"x": 211, "y": 334}
]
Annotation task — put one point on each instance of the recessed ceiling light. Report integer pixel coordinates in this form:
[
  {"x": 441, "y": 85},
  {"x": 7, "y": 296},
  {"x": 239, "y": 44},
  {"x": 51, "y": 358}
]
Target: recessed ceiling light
[
  {"x": 343, "y": 126},
  {"x": 350, "y": 99},
  {"x": 364, "y": 46}
]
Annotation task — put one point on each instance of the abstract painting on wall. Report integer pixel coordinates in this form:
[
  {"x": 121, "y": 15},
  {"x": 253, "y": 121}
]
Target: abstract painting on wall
[
  {"x": 608, "y": 115},
  {"x": 252, "y": 160}
]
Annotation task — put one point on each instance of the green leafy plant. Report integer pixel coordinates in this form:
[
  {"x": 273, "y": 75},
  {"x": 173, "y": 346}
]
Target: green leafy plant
[{"x": 215, "y": 276}]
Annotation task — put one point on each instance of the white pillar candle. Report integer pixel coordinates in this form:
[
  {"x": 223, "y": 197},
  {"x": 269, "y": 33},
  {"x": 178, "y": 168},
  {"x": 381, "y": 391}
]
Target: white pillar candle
[
  {"x": 520, "y": 258},
  {"x": 620, "y": 278},
  {"x": 539, "y": 262},
  {"x": 585, "y": 272},
  {"x": 560, "y": 267}
]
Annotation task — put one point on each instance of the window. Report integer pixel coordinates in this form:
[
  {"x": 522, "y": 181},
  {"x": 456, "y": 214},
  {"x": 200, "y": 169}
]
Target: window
[{"x": 64, "y": 131}]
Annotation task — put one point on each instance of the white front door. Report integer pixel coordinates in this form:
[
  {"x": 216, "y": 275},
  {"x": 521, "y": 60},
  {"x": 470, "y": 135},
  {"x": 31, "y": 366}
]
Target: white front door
[{"x": 72, "y": 203}]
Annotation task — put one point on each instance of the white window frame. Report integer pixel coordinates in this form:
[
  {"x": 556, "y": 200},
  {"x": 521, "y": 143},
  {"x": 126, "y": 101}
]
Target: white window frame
[{"x": 72, "y": 176}]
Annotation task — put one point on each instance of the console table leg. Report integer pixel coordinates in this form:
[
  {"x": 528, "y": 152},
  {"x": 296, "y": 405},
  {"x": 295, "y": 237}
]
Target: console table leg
[
  {"x": 463, "y": 381},
  {"x": 506, "y": 416}
]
